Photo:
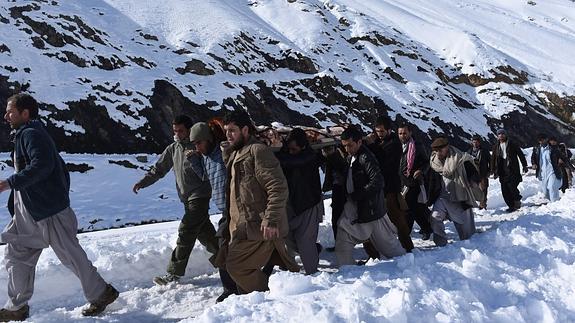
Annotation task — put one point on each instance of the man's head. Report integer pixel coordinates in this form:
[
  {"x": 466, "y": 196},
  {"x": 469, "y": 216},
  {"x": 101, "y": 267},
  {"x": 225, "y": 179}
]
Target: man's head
[
  {"x": 201, "y": 136},
  {"x": 20, "y": 109},
  {"x": 351, "y": 140},
  {"x": 404, "y": 132},
  {"x": 440, "y": 146},
  {"x": 297, "y": 141},
  {"x": 181, "y": 127},
  {"x": 238, "y": 127},
  {"x": 542, "y": 139},
  {"x": 476, "y": 141},
  {"x": 502, "y": 135},
  {"x": 553, "y": 141},
  {"x": 382, "y": 127}
]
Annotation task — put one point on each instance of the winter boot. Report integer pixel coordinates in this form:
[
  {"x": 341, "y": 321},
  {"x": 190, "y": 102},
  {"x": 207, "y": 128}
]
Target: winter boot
[
  {"x": 17, "y": 315},
  {"x": 166, "y": 279},
  {"x": 97, "y": 307},
  {"x": 227, "y": 293}
]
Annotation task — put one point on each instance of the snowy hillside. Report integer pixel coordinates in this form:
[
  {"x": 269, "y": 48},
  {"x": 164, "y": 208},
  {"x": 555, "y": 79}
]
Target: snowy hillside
[
  {"x": 521, "y": 268},
  {"x": 112, "y": 74}
]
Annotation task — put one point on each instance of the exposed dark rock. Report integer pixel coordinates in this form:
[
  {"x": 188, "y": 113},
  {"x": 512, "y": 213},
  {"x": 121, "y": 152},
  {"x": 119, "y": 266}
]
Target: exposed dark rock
[
  {"x": 4, "y": 48},
  {"x": 562, "y": 107},
  {"x": 124, "y": 163},
  {"x": 375, "y": 38},
  {"x": 38, "y": 42},
  {"x": 504, "y": 74},
  {"x": 149, "y": 37},
  {"x": 264, "y": 107},
  {"x": 142, "y": 62},
  {"x": 394, "y": 75},
  {"x": 79, "y": 168},
  {"x": 195, "y": 66},
  {"x": 109, "y": 64},
  {"x": 72, "y": 58}
]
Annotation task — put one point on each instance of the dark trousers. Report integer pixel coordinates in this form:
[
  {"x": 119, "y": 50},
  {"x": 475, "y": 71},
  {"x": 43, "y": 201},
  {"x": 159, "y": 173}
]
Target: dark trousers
[
  {"x": 227, "y": 282},
  {"x": 510, "y": 191},
  {"x": 337, "y": 202},
  {"x": 417, "y": 212},
  {"x": 195, "y": 225},
  {"x": 398, "y": 218}
]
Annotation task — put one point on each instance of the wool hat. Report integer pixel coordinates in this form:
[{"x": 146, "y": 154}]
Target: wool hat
[
  {"x": 201, "y": 131},
  {"x": 502, "y": 131},
  {"x": 439, "y": 143}
]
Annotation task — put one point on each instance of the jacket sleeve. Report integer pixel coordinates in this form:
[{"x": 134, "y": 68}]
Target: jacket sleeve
[
  {"x": 270, "y": 176},
  {"x": 494, "y": 156},
  {"x": 42, "y": 160},
  {"x": 485, "y": 166},
  {"x": 160, "y": 169},
  {"x": 423, "y": 159},
  {"x": 521, "y": 156},
  {"x": 373, "y": 172}
]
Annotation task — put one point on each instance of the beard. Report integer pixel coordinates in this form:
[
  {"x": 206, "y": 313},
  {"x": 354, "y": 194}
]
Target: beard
[{"x": 239, "y": 144}]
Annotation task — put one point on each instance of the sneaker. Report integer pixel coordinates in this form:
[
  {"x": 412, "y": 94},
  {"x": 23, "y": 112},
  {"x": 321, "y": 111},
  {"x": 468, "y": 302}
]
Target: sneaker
[
  {"x": 17, "y": 315},
  {"x": 227, "y": 293},
  {"x": 517, "y": 205},
  {"x": 166, "y": 279},
  {"x": 107, "y": 298}
]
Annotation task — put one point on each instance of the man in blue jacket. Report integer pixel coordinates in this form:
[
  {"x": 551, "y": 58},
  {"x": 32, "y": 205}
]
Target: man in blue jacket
[{"x": 42, "y": 216}]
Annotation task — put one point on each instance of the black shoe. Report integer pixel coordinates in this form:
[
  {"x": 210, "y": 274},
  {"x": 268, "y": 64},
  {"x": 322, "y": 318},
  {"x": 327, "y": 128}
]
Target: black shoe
[
  {"x": 227, "y": 293},
  {"x": 17, "y": 315},
  {"x": 107, "y": 298},
  {"x": 166, "y": 279},
  {"x": 510, "y": 209},
  {"x": 319, "y": 248},
  {"x": 330, "y": 249}
]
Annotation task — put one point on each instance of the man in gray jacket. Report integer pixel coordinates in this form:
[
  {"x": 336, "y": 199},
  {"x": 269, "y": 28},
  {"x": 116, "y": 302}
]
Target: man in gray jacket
[{"x": 194, "y": 191}]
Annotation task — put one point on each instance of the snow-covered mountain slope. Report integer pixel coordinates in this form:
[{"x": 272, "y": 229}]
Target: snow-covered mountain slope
[
  {"x": 112, "y": 74},
  {"x": 519, "y": 269}
]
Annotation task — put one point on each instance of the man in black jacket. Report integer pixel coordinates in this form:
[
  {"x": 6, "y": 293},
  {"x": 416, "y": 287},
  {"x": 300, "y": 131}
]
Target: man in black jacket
[
  {"x": 364, "y": 216},
  {"x": 300, "y": 164},
  {"x": 385, "y": 145},
  {"x": 413, "y": 167},
  {"x": 505, "y": 165},
  {"x": 42, "y": 216},
  {"x": 482, "y": 158}
]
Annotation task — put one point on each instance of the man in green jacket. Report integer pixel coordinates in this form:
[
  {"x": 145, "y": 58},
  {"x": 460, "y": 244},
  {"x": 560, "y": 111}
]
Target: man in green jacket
[{"x": 194, "y": 191}]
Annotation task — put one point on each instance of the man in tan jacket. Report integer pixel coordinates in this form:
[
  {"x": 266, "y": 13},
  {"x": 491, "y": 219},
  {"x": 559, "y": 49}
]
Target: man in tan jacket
[{"x": 257, "y": 194}]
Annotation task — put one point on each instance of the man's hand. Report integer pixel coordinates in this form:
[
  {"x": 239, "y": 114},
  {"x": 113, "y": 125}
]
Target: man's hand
[
  {"x": 4, "y": 186},
  {"x": 136, "y": 188},
  {"x": 270, "y": 233},
  {"x": 417, "y": 174},
  {"x": 190, "y": 153}
]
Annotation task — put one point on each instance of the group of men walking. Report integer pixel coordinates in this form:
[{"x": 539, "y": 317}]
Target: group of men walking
[{"x": 271, "y": 203}]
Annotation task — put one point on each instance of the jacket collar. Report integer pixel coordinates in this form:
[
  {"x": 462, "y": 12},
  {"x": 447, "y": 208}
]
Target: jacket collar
[
  {"x": 36, "y": 124},
  {"x": 243, "y": 152}
]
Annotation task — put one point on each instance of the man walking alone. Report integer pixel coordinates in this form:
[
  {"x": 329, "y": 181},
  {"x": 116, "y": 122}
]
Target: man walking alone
[{"x": 42, "y": 216}]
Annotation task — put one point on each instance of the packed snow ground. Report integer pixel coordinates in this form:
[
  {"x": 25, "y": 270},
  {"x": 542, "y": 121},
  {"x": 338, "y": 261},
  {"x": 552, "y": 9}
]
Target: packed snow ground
[{"x": 520, "y": 268}]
